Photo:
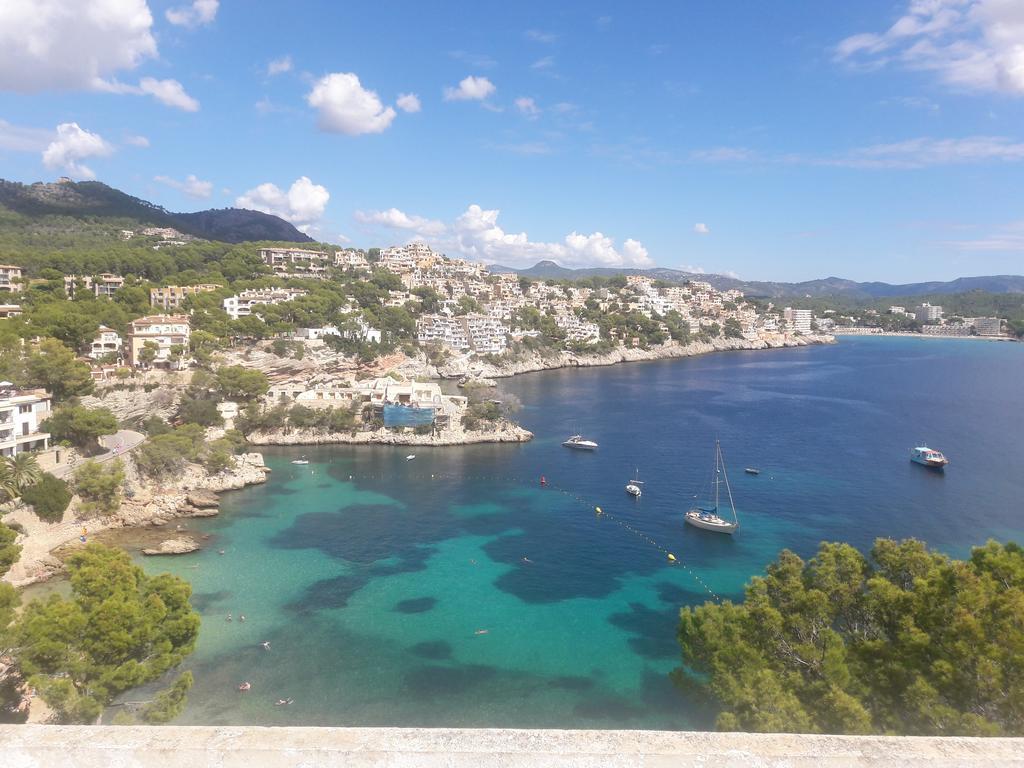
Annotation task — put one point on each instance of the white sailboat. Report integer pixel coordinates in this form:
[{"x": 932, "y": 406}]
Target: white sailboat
[
  {"x": 709, "y": 519},
  {"x": 635, "y": 486}
]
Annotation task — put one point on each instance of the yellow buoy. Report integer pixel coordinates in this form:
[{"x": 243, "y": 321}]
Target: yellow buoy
[
  {"x": 671, "y": 557},
  {"x": 598, "y": 510}
]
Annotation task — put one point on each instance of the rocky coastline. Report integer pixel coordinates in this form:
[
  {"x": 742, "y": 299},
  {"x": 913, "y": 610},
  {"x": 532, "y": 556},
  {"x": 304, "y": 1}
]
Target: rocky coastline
[
  {"x": 192, "y": 493},
  {"x": 535, "y": 361},
  {"x": 501, "y": 432}
]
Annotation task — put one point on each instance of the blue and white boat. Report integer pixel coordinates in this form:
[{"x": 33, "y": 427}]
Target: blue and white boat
[
  {"x": 577, "y": 442},
  {"x": 929, "y": 457}
]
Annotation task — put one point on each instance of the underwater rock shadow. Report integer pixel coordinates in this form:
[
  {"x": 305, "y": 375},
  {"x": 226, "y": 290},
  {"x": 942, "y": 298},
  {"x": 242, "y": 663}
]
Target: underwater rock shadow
[
  {"x": 415, "y": 605},
  {"x": 654, "y": 631},
  {"x": 435, "y": 650}
]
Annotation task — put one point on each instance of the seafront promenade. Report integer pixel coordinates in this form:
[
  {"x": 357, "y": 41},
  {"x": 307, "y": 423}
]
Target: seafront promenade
[{"x": 28, "y": 746}]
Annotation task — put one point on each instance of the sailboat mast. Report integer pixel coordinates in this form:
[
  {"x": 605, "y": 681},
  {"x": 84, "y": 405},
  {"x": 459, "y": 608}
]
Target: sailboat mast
[
  {"x": 728, "y": 488},
  {"x": 718, "y": 471}
]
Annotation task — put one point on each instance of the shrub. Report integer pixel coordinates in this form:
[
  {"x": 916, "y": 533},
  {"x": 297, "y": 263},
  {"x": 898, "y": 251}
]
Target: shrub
[
  {"x": 199, "y": 411},
  {"x": 99, "y": 487},
  {"x": 49, "y": 498},
  {"x": 80, "y": 426}
]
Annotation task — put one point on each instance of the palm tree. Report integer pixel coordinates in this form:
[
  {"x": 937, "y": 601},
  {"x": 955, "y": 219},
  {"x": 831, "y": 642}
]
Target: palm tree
[
  {"x": 24, "y": 471},
  {"x": 8, "y": 490}
]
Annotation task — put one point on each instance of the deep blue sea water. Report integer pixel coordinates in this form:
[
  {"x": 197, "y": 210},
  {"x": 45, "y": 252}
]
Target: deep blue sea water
[{"x": 372, "y": 576}]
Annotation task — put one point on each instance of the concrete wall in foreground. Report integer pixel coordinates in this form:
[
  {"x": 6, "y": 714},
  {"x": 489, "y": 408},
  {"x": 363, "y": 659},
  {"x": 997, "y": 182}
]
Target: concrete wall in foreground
[{"x": 44, "y": 746}]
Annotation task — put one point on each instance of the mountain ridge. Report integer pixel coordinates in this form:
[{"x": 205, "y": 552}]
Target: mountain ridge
[
  {"x": 84, "y": 199},
  {"x": 828, "y": 287}
]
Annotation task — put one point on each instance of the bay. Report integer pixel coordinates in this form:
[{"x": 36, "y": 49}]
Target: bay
[{"x": 456, "y": 590}]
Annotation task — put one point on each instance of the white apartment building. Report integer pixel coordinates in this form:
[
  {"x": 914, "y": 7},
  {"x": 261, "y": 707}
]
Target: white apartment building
[
  {"x": 928, "y": 313},
  {"x": 987, "y": 326},
  {"x": 351, "y": 260},
  {"x": 487, "y": 335},
  {"x": 298, "y": 262},
  {"x": 10, "y": 278},
  {"x": 171, "y": 296},
  {"x": 165, "y": 331},
  {"x": 442, "y": 329},
  {"x": 242, "y": 304},
  {"x": 9, "y": 310},
  {"x": 21, "y": 412},
  {"x": 799, "y": 320},
  {"x": 578, "y": 331},
  {"x": 104, "y": 285},
  {"x": 107, "y": 341}
]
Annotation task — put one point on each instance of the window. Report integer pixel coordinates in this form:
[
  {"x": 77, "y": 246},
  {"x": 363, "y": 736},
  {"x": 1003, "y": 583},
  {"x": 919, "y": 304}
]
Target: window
[{"x": 25, "y": 408}]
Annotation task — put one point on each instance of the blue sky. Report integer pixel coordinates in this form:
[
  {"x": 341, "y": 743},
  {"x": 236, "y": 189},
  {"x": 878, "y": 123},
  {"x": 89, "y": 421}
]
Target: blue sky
[{"x": 870, "y": 140}]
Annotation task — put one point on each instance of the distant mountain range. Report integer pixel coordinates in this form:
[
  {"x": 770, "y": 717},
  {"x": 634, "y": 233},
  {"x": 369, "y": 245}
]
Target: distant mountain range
[
  {"x": 90, "y": 201},
  {"x": 829, "y": 287}
]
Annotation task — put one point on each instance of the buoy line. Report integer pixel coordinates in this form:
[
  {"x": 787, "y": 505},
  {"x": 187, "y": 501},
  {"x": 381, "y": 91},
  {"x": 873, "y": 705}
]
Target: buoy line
[{"x": 548, "y": 485}]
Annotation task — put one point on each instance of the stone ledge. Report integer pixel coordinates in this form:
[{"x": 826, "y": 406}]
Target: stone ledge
[{"x": 35, "y": 746}]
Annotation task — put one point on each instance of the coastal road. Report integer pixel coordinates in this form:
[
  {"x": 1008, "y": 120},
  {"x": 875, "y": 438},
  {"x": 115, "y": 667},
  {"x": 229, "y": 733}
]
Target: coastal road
[{"x": 117, "y": 444}]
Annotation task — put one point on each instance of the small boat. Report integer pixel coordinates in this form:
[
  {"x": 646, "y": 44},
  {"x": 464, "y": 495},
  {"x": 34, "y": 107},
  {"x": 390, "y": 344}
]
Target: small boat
[
  {"x": 300, "y": 461},
  {"x": 245, "y": 686},
  {"x": 928, "y": 457},
  {"x": 752, "y": 471},
  {"x": 633, "y": 487},
  {"x": 707, "y": 518},
  {"x": 410, "y": 457},
  {"x": 578, "y": 443}
]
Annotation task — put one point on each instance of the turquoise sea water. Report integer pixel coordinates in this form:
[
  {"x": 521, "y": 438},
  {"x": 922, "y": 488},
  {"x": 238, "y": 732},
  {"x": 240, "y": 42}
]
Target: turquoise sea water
[{"x": 372, "y": 576}]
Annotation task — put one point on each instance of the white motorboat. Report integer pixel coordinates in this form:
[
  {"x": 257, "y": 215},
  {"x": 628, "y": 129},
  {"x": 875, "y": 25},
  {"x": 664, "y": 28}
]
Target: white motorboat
[
  {"x": 410, "y": 457},
  {"x": 708, "y": 518},
  {"x": 635, "y": 487},
  {"x": 577, "y": 442},
  {"x": 300, "y": 461}
]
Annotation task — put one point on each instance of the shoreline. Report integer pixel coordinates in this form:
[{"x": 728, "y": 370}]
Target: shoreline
[
  {"x": 909, "y": 335},
  {"x": 191, "y": 494},
  {"x": 505, "y": 432},
  {"x": 534, "y": 362}
]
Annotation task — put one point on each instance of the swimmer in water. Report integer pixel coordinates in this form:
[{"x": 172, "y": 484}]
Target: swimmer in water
[
  {"x": 241, "y": 617},
  {"x": 221, "y": 552},
  {"x": 228, "y": 618},
  {"x": 266, "y": 645},
  {"x": 481, "y": 632},
  {"x": 526, "y": 559}
]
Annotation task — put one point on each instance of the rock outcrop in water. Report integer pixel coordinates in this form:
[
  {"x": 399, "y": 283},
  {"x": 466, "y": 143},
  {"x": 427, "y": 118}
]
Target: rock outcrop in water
[{"x": 190, "y": 494}]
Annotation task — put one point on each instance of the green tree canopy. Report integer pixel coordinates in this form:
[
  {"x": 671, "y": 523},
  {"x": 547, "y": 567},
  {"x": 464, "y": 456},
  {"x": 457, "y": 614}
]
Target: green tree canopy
[
  {"x": 99, "y": 486},
  {"x": 49, "y": 498},
  {"x": 908, "y": 642},
  {"x": 80, "y": 426},
  {"x": 119, "y": 629},
  {"x": 54, "y": 368},
  {"x": 239, "y": 383}
]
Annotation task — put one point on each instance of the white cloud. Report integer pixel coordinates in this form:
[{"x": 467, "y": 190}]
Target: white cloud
[
  {"x": 721, "y": 155},
  {"x": 191, "y": 186},
  {"x": 475, "y": 60},
  {"x": 527, "y": 106},
  {"x": 393, "y": 218},
  {"x": 926, "y": 152},
  {"x": 344, "y": 106},
  {"x": 54, "y": 44},
  {"x": 19, "y": 138},
  {"x": 408, "y": 102},
  {"x": 71, "y": 146},
  {"x": 540, "y": 36},
  {"x": 476, "y": 234},
  {"x": 969, "y": 44},
  {"x": 169, "y": 92},
  {"x": 136, "y": 140},
  {"x": 471, "y": 88},
  {"x": 279, "y": 65},
  {"x": 303, "y": 204},
  {"x": 57, "y": 45},
  {"x": 198, "y": 13},
  {"x": 701, "y": 229},
  {"x": 545, "y": 62}
]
